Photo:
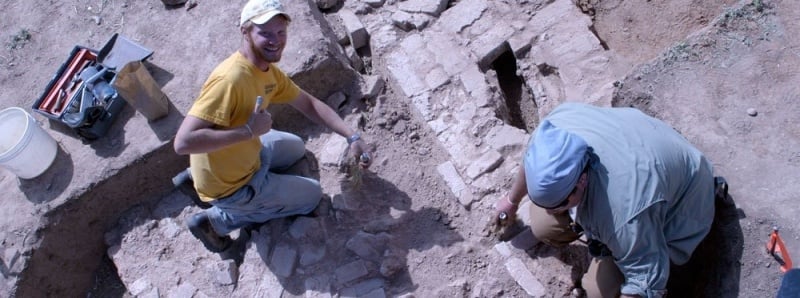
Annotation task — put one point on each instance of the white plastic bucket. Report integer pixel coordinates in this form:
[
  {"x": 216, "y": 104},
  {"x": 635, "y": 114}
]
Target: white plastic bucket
[{"x": 26, "y": 149}]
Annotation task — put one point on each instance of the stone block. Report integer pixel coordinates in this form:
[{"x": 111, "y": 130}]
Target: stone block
[
  {"x": 326, "y": 4},
  {"x": 421, "y": 21},
  {"x": 11, "y": 263},
  {"x": 463, "y": 14},
  {"x": 363, "y": 288},
  {"x": 355, "y": 29},
  {"x": 311, "y": 254},
  {"x": 373, "y": 86},
  {"x": 313, "y": 57},
  {"x": 403, "y": 20},
  {"x": 487, "y": 162},
  {"x": 355, "y": 59},
  {"x": 317, "y": 287},
  {"x": 431, "y": 7},
  {"x": 401, "y": 69},
  {"x": 506, "y": 138},
  {"x": 152, "y": 293},
  {"x": 436, "y": 78},
  {"x": 455, "y": 182},
  {"x": 489, "y": 51},
  {"x": 226, "y": 272},
  {"x": 184, "y": 290},
  {"x": 520, "y": 43},
  {"x": 140, "y": 286},
  {"x": 260, "y": 246},
  {"x": 367, "y": 246},
  {"x": 169, "y": 228},
  {"x": 474, "y": 81},
  {"x": 422, "y": 102},
  {"x": 375, "y": 3},
  {"x": 376, "y": 293},
  {"x": 283, "y": 260},
  {"x": 302, "y": 226},
  {"x": 447, "y": 52},
  {"x": 351, "y": 272},
  {"x": 503, "y": 249},
  {"x": 331, "y": 155},
  {"x": 525, "y": 278}
]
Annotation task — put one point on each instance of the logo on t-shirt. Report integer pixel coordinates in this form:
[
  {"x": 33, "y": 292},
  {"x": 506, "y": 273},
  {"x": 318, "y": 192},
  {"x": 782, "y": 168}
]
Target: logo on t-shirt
[{"x": 268, "y": 88}]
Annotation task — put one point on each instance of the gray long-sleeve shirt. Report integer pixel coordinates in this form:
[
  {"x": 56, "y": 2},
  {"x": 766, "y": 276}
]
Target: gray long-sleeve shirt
[{"x": 650, "y": 197}]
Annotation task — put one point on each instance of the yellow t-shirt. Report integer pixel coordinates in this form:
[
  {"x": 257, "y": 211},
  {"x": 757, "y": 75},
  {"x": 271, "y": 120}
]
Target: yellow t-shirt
[{"x": 227, "y": 99}]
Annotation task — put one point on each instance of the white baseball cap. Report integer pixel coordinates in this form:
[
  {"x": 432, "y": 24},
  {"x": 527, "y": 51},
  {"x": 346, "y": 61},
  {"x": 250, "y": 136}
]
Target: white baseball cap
[{"x": 261, "y": 11}]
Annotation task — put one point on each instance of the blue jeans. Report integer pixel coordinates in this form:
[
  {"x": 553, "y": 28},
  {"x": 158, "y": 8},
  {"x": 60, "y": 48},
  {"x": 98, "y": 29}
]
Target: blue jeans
[
  {"x": 790, "y": 285},
  {"x": 268, "y": 195}
]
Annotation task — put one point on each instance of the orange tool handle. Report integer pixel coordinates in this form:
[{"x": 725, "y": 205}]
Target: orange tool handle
[{"x": 775, "y": 245}]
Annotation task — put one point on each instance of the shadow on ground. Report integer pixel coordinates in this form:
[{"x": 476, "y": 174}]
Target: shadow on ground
[{"x": 715, "y": 267}]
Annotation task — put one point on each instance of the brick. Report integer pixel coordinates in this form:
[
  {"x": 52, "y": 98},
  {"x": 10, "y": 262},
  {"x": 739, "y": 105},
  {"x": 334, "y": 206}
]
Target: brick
[{"x": 525, "y": 278}]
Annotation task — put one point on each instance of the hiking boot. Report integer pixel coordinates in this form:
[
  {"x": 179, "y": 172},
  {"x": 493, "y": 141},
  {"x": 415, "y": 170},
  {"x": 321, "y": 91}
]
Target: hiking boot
[
  {"x": 201, "y": 228},
  {"x": 720, "y": 188},
  {"x": 183, "y": 182},
  {"x": 721, "y": 192}
]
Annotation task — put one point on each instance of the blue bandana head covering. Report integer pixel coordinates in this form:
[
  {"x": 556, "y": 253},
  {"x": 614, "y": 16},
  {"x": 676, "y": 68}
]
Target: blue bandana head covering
[{"x": 553, "y": 162}]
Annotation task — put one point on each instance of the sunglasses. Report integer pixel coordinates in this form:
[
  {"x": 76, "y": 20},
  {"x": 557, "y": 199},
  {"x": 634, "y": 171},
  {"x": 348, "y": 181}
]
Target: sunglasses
[{"x": 560, "y": 205}]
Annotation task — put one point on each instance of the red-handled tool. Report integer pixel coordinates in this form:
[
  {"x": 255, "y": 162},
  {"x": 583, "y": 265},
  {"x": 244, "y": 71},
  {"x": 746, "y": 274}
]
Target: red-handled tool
[{"x": 775, "y": 246}]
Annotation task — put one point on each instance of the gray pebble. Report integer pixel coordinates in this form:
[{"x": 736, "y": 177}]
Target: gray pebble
[{"x": 752, "y": 112}]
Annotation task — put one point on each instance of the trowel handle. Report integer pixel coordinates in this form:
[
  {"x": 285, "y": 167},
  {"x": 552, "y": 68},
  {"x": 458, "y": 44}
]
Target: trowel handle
[{"x": 259, "y": 101}]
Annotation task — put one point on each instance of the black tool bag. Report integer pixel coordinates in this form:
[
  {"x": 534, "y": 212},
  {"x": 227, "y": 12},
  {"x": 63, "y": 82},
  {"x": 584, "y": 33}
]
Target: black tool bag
[{"x": 81, "y": 95}]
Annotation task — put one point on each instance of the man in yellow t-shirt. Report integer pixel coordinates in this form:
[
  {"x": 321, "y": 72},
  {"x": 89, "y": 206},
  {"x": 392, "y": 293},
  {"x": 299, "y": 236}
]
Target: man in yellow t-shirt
[{"x": 233, "y": 150}]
